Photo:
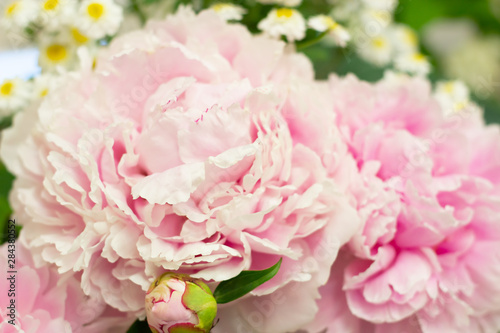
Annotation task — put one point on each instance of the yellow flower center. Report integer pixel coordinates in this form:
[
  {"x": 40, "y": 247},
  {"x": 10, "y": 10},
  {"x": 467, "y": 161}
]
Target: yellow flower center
[
  {"x": 44, "y": 92},
  {"x": 220, "y": 6},
  {"x": 284, "y": 12},
  {"x": 11, "y": 8},
  {"x": 419, "y": 57},
  {"x": 78, "y": 36},
  {"x": 460, "y": 105},
  {"x": 449, "y": 87},
  {"x": 95, "y": 10},
  {"x": 332, "y": 25},
  {"x": 50, "y": 5},
  {"x": 382, "y": 15},
  {"x": 56, "y": 52},
  {"x": 6, "y": 88},
  {"x": 379, "y": 42},
  {"x": 411, "y": 38}
]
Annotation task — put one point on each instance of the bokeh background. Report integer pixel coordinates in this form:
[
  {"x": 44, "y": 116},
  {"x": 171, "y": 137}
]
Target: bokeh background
[{"x": 460, "y": 37}]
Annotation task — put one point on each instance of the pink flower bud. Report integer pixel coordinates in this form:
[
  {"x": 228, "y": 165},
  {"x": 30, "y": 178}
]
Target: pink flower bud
[{"x": 179, "y": 303}]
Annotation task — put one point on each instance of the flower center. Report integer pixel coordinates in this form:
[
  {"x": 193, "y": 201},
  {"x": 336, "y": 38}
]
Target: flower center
[
  {"x": 379, "y": 42},
  {"x": 50, "y": 4},
  {"x": 382, "y": 15},
  {"x": 221, "y": 6},
  {"x": 78, "y": 36},
  {"x": 56, "y": 52},
  {"x": 6, "y": 88},
  {"x": 449, "y": 87},
  {"x": 331, "y": 24},
  {"x": 11, "y": 8},
  {"x": 411, "y": 38},
  {"x": 284, "y": 12},
  {"x": 95, "y": 10},
  {"x": 418, "y": 57}
]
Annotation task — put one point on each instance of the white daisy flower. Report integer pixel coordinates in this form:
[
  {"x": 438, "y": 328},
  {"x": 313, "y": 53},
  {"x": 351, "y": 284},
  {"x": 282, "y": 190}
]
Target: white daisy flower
[
  {"x": 377, "y": 50},
  {"x": 45, "y": 83},
  {"x": 55, "y": 13},
  {"x": 57, "y": 52},
  {"x": 228, "y": 11},
  {"x": 321, "y": 23},
  {"x": 345, "y": 10},
  {"x": 375, "y": 19},
  {"x": 381, "y": 4},
  {"x": 404, "y": 39},
  {"x": 284, "y": 22},
  {"x": 18, "y": 13},
  {"x": 285, "y": 3},
  {"x": 98, "y": 18},
  {"x": 324, "y": 23},
  {"x": 414, "y": 63},
  {"x": 452, "y": 95},
  {"x": 14, "y": 95}
]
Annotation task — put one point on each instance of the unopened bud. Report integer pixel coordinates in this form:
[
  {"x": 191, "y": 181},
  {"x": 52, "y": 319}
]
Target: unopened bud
[{"x": 179, "y": 303}]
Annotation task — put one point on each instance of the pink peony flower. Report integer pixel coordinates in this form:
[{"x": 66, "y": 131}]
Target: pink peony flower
[
  {"x": 306, "y": 112},
  {"x": 427, "y": 257},
  {"x": 193, "y": 147},
  {"x": 46, "y": 302}
]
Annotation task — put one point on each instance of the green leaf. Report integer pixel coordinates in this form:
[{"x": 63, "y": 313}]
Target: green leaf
[
  {"x": 6, "y": 180},
  {"x": 244, "y": 283}
]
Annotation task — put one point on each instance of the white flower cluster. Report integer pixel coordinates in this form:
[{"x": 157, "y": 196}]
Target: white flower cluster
[
  {"x": 324, "y": 23},
  {"x": 59, "y": 27},
  {"x": 290, "y": 23},
  {"x": 16, "y": 94},
  {"x": 377, "y": 38},
  {"x": 465, "y": 53},
  {"x": 284, "y": 22},
  {"x": 454, "y": 96},
  {"x": 229, "y": 11}
]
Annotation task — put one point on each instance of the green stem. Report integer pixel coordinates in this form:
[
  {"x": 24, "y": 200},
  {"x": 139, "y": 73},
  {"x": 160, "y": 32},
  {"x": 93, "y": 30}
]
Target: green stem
[{"x": 305, "y": 44}]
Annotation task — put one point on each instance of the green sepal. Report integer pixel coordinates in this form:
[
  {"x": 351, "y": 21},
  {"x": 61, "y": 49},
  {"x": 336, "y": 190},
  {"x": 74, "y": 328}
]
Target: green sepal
[
  {"x": 244, "y": 283},
  {"x": 183, "y": 328},
  {"x": 201, "y": 301}
]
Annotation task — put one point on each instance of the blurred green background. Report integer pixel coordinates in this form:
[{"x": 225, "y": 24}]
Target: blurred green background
[{"x": 418, "y": 14}]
